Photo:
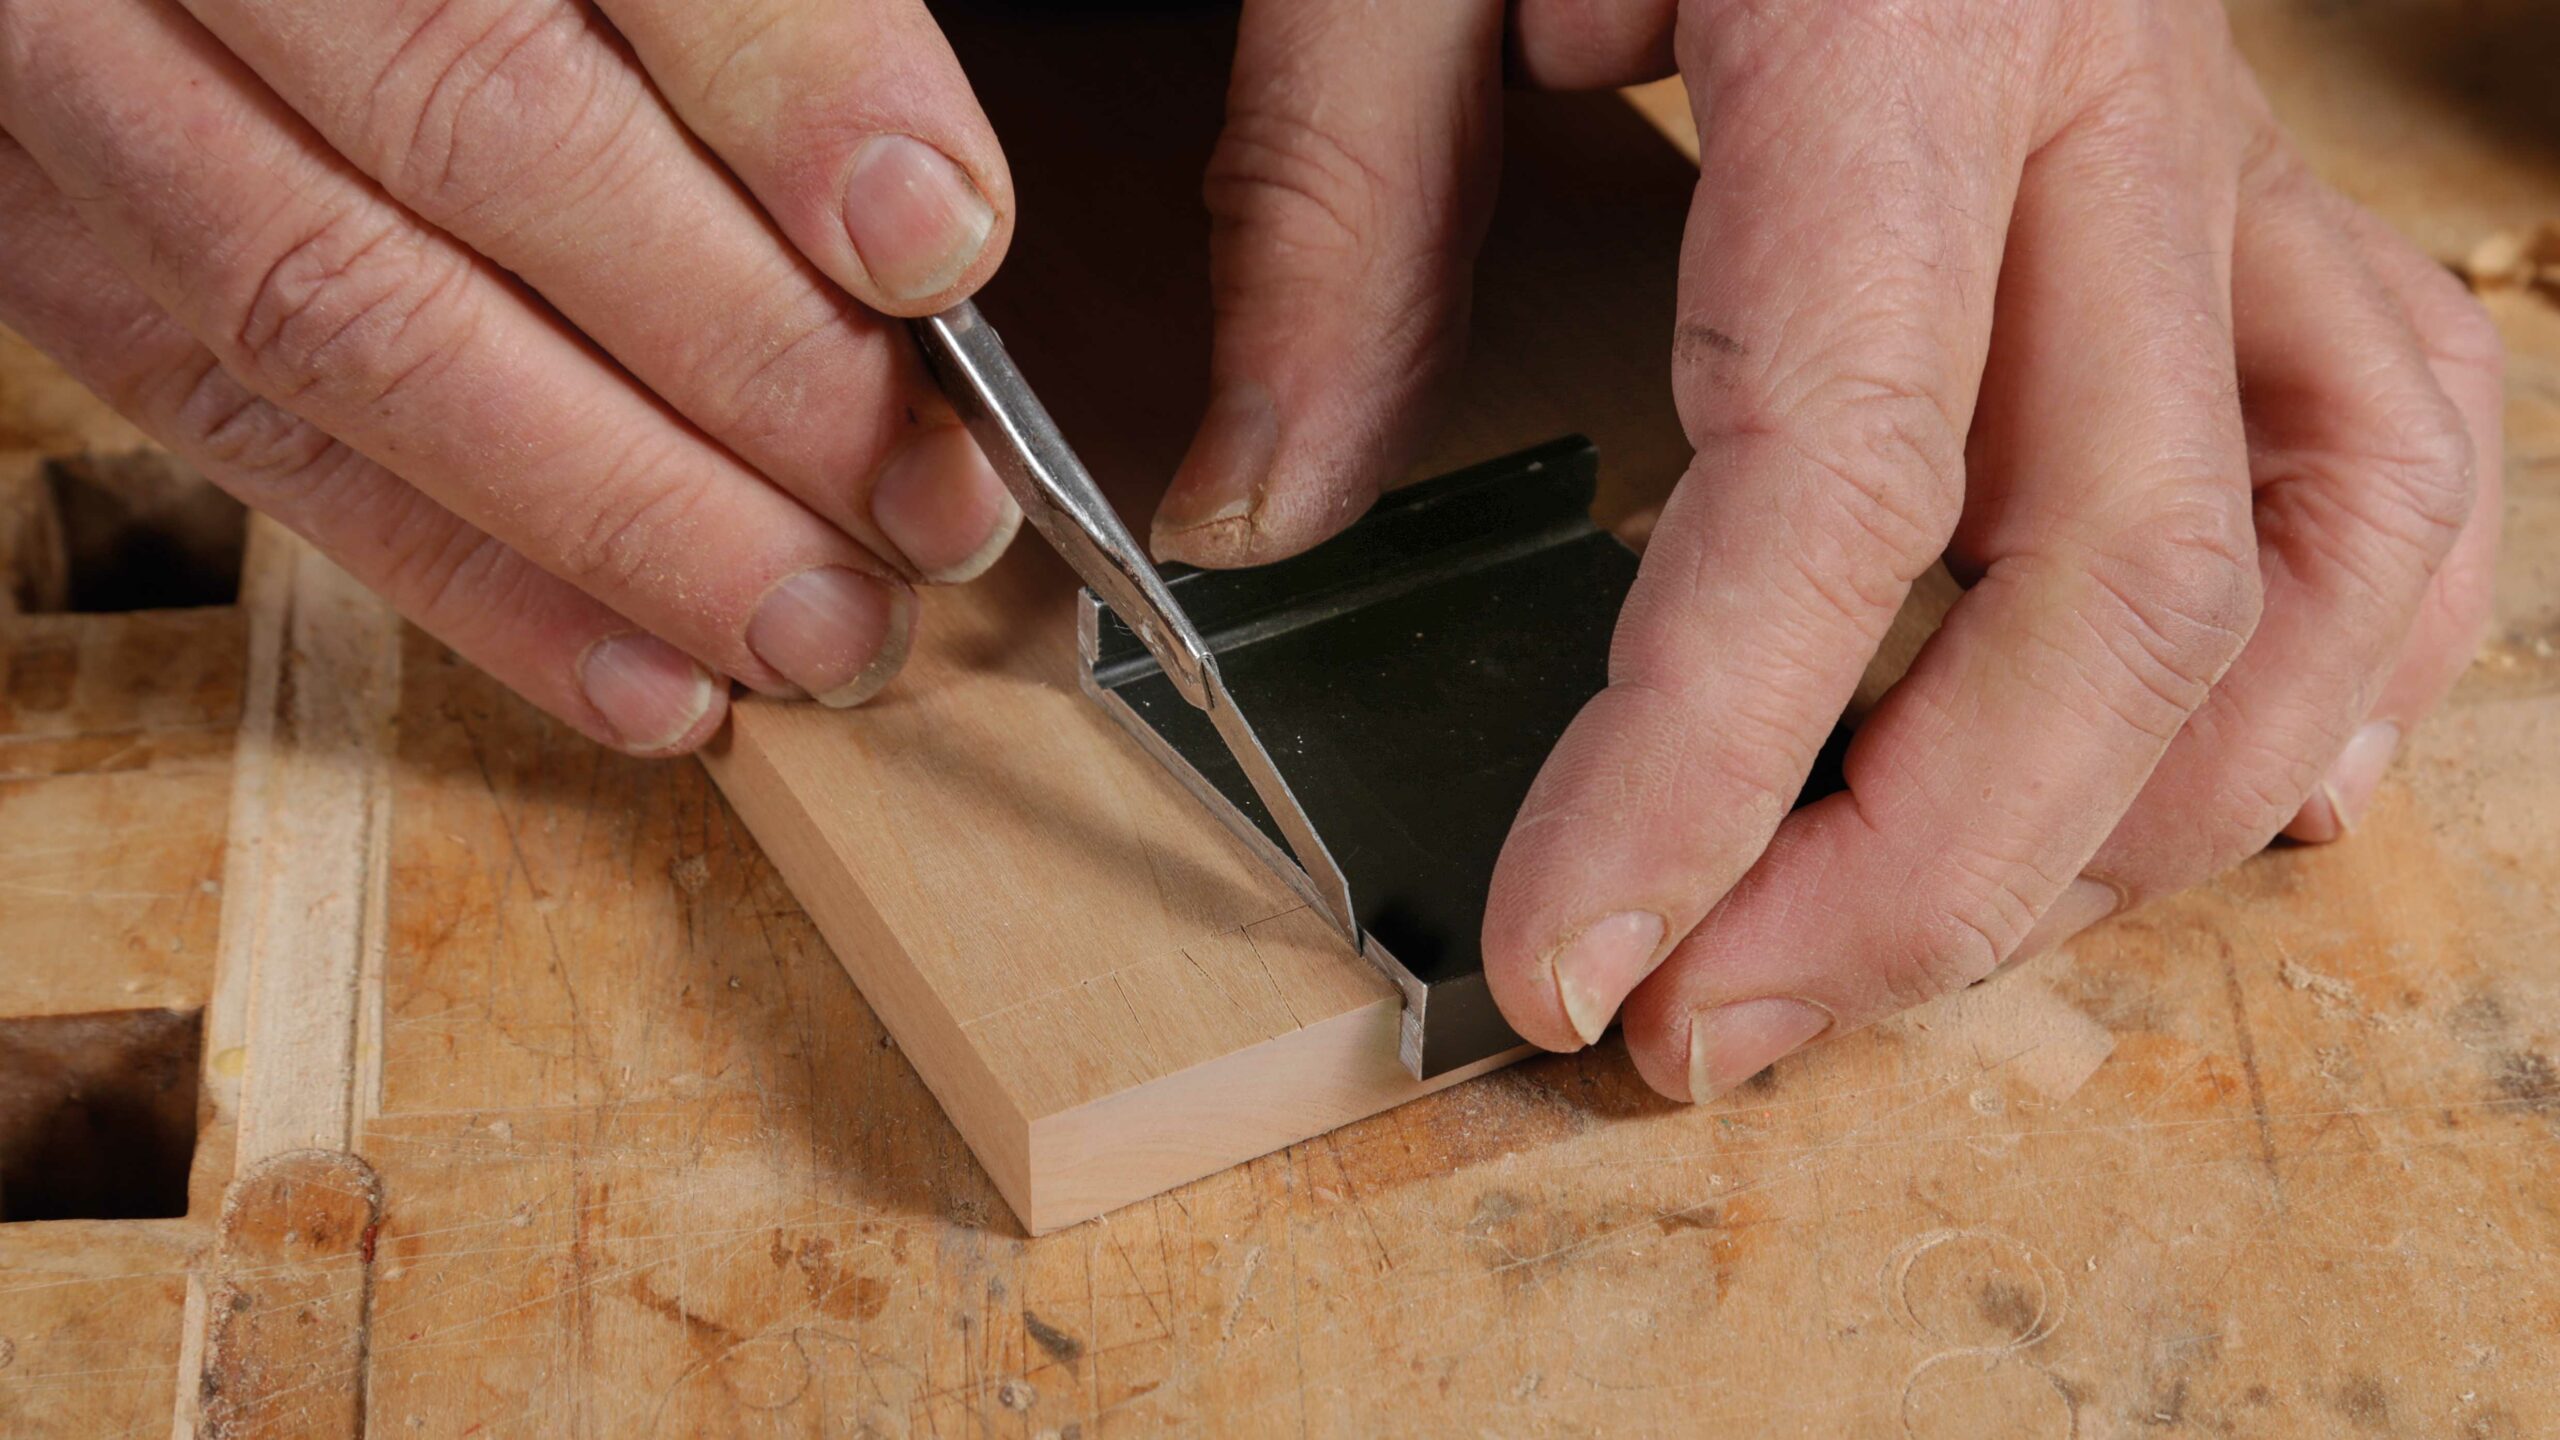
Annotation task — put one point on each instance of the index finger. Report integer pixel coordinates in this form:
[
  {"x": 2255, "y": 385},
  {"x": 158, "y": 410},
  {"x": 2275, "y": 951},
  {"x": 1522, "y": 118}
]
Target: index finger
[{"x": 1835, "y": 310}]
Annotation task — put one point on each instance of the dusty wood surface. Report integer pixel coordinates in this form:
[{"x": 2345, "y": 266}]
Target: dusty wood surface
[{"x": 2277, "y": 1158}]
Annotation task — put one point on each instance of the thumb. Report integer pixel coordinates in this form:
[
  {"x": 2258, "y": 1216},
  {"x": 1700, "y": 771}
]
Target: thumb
[{"x": 1348, "y": 195}]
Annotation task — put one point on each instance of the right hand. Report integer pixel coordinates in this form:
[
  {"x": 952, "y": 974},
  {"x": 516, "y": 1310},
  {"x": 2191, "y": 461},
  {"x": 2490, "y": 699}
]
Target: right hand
[
  {"x": 2036, "y": 286},
  {"x": 569, "y": 332}
]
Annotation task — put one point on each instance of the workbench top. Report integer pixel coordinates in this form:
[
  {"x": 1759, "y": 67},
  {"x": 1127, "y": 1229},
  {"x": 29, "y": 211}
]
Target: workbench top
[{"x": 627, "y": 1154}]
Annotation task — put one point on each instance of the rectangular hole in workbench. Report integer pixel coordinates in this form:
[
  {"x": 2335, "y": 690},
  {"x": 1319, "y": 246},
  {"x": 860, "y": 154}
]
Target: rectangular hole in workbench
[
  {"x": 97, "y": 1114},
  {"x": 139, "y": 531}
]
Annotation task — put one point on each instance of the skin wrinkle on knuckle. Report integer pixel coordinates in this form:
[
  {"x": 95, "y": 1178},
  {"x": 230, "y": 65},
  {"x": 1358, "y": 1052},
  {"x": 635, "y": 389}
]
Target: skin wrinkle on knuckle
[
  {"x": 2133, "y": 675},
  {"x": 353, "y": 309},
  {"x": 2123, "y": 46},
  {"x": 2370, "y": 535},
  {"x": 2184, "y": 582},
  {"x": 1993, "y": 885},
  {"x": 2269, "y": 170},
  {"x": 2261, "y": 789},
  {"x": 2433, "y": 475},
  {"x": 1937, "y": 959},
  {"x": 2237, "y": 821},
  {"x": 530, "y": 106},
  {"x": 261, "y": 454},
  {"x": 758, "y": 373},
  {"x": 628, "y": 537},
  {"x": 1963, "y": 915},
  {"x": 2404, "y": 465},
  {"x": 263, "y": 449},
  {"x": 1852, "y": 583},
  {"x": 2258, "y": 778},
  {"x": 466, "y": 584},
  {"x": 1895, "y": 451},
  {"x": 1290, "y": 183},
  {"x": 1742, "y": 764},
  {"x": 2082, "y": 673},
  {"x": 134, "y": 359}
]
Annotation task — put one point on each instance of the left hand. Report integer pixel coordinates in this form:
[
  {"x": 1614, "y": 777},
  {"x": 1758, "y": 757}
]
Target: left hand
[{"x": 2033, "y": 285}]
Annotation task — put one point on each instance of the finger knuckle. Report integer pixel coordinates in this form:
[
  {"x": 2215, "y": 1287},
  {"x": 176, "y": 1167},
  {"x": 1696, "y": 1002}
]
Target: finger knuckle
[
  {"x": 478, "y": 108},
  {"x": 354, "y": 309},
  {"x": 1898, "y": 460},
  {"x": 1757, "y": 765},
  {"x": 2269, "y": 170},
  {"x": 1888, "y": 467},
  {"x": 757, "y": 380},
  {"x": 2255, "y": 793},
  {"x": 643, "y": 503},
  {"x": 2262, "y": 787},
  {"x": 2144, "y": 51},
  {"x": 253, "y": 447},
  {"x": 2432, "y": 476},
  {"x": 1977, "y": 912},
  {"x": 1299, "y": 187},
  {"x": 461, "y": 582},
  {"x": 2386, "y": 507},
  {"x": 2175, "y": 598},
  {"x": 2261, "y": 757}
]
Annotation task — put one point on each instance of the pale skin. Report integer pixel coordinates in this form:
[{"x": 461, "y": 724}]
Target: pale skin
[{"x": 517, "y": 310}]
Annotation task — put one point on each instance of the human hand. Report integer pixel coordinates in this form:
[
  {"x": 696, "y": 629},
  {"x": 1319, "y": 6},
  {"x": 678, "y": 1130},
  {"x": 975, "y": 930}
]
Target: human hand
[
  {"x": 2036, "y": 287},
  {"x": 565, "y": 328}
]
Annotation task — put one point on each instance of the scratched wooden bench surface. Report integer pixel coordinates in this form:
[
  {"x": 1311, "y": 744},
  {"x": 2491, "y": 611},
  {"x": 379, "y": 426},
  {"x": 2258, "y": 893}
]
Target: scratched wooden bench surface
[{"x": 623, "y": 1152}]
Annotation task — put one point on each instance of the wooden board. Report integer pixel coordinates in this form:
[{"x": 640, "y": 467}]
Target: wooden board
[
  {"x": 2275, "y": 1159},
  {"x": 1108, "y": 994}
]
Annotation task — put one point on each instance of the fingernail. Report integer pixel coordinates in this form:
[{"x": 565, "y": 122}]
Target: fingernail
[
  {"x": 914, "y": 216},
  {"x": 1221, "y": 478},
  {"x": 2083, "y": 903},
  {"x": 2347, "y": 790},
  {"x": 650, "y": 693},
  {"x": 1732, "y": 1043},
  {"x": 944, "y": 507},
  {"x": 1595, "y": 969},
  {"x": 837, "y": 633}
]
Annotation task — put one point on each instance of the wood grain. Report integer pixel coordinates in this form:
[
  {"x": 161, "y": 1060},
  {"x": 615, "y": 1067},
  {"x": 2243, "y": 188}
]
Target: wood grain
[
  {"x": 649, "y": 1165},
  {"x": 303, "y": 874}
]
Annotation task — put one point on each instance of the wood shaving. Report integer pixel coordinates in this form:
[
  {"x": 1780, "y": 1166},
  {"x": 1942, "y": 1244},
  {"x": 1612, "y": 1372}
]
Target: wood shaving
[
  {"x": 2337, "y": 998},
  {"x": 2517, "y": 260}
]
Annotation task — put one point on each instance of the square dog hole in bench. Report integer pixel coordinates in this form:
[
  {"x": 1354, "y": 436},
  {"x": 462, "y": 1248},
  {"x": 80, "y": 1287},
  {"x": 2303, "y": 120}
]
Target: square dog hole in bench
[
  {"x": 99, "y": 533},
  {"x": 97, "y": 1114}
]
